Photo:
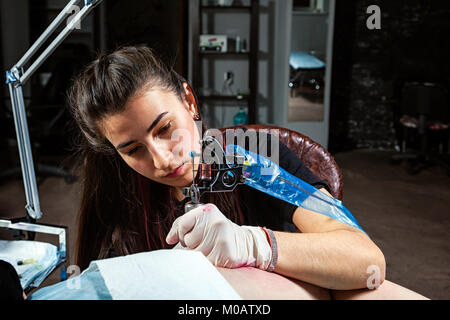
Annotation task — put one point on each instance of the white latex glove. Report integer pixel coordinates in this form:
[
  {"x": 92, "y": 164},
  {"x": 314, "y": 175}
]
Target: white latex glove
[{"x": 223, "y": 242}]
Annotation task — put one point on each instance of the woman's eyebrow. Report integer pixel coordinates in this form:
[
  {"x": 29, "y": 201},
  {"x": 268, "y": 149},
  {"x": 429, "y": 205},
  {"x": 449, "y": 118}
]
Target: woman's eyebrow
[
  {"x": 155, "y": 122},
  {"x": 150, "y": 128},
  {"x": 125, "y": 144}
]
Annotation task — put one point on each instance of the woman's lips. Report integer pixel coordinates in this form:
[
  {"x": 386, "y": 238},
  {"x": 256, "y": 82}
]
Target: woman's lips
[{"x": 175, "y": 172}]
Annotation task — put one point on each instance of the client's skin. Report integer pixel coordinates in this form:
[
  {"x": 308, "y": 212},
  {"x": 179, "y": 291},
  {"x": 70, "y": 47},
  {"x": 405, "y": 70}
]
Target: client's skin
[{"x": 256, "y": 284}]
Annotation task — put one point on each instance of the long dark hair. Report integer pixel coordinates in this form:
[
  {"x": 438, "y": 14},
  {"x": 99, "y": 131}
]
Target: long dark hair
[{"x": 122, "y": 212}]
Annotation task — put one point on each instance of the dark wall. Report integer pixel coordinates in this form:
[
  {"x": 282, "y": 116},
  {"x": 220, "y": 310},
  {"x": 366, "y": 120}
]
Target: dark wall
[
  {"x": 158, "y": 24},
  {"x": 370, "y": 66}
]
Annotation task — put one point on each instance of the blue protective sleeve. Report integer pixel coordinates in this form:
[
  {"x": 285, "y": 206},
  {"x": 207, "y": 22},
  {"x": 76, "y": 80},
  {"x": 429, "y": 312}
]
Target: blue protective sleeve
[{"x": 264, "y": 175}]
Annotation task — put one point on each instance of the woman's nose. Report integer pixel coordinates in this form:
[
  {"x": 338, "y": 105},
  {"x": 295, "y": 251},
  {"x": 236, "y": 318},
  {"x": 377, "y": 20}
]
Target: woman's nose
[{"x": 161, "y": 156}]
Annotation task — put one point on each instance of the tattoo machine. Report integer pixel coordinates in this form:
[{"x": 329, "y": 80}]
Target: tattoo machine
[{"x": 221, "y": 171}]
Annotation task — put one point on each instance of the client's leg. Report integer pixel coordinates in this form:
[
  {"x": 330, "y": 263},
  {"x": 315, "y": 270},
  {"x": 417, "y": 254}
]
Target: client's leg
[
  {"x": 386, "y": 291},
  {"x": 255, "y": 284}
]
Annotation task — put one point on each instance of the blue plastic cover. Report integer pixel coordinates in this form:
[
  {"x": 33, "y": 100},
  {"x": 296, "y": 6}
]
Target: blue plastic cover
[{"x": 265, "y": 175}]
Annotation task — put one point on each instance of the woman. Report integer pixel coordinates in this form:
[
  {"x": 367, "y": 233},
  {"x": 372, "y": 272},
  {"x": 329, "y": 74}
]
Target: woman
[{"x": 128, "y": 106}]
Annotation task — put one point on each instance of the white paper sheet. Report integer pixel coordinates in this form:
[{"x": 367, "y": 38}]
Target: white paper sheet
[{"x": 165, "y": 274}]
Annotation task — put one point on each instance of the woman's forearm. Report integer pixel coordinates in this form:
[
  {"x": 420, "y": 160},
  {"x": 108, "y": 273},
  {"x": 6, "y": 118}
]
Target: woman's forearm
[{"x": 335, "y": 260}]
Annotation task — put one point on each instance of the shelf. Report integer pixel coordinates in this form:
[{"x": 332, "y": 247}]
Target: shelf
[
  {"x": 222, "y": 97},
  {"x": 226, "y": 8},
  {"x": 228, "y": 98},
  {"x": 309, "y": 13},
  {"x": 224, "y": 54}
]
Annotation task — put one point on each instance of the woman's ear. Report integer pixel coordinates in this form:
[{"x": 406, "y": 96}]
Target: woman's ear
[{"x": 190, "y": 99}]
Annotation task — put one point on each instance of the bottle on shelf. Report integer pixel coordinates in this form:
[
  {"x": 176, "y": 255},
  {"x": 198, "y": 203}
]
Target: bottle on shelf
[
  {"x": 244, "y": 45},
  {"x": 241, "y": 117}
]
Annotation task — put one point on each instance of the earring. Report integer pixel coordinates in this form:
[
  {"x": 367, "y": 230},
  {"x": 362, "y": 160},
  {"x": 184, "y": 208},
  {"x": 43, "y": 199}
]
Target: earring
[{"x": 197, "y": 117}]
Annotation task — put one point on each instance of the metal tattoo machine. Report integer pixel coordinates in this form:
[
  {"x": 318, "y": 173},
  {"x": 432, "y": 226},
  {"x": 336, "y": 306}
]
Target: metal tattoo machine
[
  {"x": 217, "y": 172},
  {"x": 222, "y": 170}
]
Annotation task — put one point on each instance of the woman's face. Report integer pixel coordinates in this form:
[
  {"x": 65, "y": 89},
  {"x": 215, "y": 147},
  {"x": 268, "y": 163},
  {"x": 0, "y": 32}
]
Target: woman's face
[{"x": 155, "y": 134}]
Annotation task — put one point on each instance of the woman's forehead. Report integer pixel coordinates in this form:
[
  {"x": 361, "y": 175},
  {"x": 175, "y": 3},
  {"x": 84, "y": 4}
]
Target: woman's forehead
[
  {"x": 141, "y": 111},
  {"x": 153, "y": 98}
]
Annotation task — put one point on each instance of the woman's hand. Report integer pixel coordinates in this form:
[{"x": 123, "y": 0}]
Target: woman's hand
[{"x": 223, "y": 242}]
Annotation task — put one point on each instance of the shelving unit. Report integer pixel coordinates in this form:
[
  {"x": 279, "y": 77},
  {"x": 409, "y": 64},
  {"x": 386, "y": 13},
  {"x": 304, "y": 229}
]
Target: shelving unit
[
  {"x": 251, "y": 55},
  {"x": 226, "y": 8}
]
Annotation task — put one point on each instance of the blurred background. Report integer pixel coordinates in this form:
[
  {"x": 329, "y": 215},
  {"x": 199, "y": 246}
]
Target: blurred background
[{"x": 371, "y": 86}]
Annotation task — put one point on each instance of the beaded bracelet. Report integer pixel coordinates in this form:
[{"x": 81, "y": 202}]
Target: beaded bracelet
[{"x": 273, "y": 245}]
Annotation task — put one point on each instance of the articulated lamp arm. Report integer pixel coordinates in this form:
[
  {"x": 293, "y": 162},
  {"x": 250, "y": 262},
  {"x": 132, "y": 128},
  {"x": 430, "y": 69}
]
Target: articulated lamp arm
[{"x": 17, "y": 76}]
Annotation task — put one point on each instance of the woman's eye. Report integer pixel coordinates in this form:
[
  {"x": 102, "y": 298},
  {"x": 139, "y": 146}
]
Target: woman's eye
[
  {"x": 129, "y": 153},
  {"x": 161, "y": 131},
  {"x": 165, "y": 128}
]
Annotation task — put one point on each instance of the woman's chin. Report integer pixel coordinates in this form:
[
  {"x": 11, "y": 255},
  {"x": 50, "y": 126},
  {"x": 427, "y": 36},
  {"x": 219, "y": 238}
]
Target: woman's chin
[{"x": 181, "y": 182}]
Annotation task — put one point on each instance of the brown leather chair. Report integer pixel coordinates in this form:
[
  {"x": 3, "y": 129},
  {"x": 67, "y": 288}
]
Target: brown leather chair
[{"x": 312, "y": 154}]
